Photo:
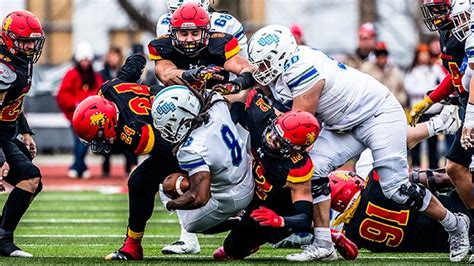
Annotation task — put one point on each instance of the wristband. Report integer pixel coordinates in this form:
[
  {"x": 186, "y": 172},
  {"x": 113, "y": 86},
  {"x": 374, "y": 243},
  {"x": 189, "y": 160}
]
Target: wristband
[{"x": 469, "y": 116}]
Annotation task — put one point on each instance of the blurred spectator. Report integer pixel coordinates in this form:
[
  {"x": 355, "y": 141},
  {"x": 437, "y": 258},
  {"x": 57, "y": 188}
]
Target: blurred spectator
[
  {"x": 297, "y": 31},
  {"x": 79, "y": 82},
  {"x": 390, "y": 75},
  {"x": 424, "y": 74},
  {"x": 365, "y": 46},
  {"x": 113, "y": 63}
]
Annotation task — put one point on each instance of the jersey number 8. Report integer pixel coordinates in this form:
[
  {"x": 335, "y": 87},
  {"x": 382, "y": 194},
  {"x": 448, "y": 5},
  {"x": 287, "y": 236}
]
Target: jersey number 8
[
  {"x": 222, "y": 20},
  {"x": 232, "y": 144}
]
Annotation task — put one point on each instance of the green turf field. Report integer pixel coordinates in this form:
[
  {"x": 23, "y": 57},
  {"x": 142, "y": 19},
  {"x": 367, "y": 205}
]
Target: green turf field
[{"x": 83, "y": 227}]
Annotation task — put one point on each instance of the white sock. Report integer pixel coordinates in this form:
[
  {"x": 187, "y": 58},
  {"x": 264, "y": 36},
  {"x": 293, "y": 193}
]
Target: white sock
[
  {"x": 322, "y": 237},
  {"x": 449, "y": 222},
  {"x": 185, "y": 235}
]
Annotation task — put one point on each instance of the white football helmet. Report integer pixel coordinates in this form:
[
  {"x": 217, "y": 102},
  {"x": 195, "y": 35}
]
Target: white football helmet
[
  {"x": 269, "y": 49},
  {"x": 175, "y": 4},
  {"x": 173, "y": 110},
  {"x": 460, "y": 15}
]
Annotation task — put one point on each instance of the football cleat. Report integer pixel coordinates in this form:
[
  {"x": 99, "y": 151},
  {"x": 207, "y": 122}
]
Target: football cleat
[
  {"x": 314, "y": 253},
  {"x": 9, "y": 249},
  {"x": 219, "y": 254},
  {"x": 130, "y": 250},
  {"x": 344, "y": 246},
  {"x": 295, "y": 240},
  {"x": 471, "y": 259},
  {"x": 182, "y": 247},
  {"x": 459, "y": 239}
]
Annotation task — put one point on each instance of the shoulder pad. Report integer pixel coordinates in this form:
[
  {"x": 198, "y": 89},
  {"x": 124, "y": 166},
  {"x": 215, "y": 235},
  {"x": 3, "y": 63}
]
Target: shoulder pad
[
  {"x": 7, "y": 75},
  {"x": 160, "y": 48},
  {"x": 302, "y": 170}
]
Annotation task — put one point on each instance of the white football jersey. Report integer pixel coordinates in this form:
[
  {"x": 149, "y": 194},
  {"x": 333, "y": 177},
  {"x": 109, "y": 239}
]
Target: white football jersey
[
  {"x": 221, "y": 22},
  {"x": 348, "y": 97},
  {"x": 217, "y": 148}
]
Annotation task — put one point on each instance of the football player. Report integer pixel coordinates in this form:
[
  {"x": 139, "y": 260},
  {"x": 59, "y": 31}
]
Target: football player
[
  {"x": 380, "y": 225},
  {"x": 220, "y": 22},
  {"x": 192, "y": 54},
  {"x": 121, "y": 114},
  {"x": 209, "y": 148},
  {"x": 21, "y": 44},
  {"x": 356, "y": 110},
  {"x": 282, "y": 171}
]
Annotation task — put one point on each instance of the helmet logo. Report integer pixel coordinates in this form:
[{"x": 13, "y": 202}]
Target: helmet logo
[
  {"x": 165, "y": 108},
  {"x": 342, "y": 175},
  {"x": 188, "y": 24},
  {"x": 310, "y": 138},
  {"x": 8, "y": 22},
  {"x": 268, "y": 39},
  {"x": 98, "y": 119}
]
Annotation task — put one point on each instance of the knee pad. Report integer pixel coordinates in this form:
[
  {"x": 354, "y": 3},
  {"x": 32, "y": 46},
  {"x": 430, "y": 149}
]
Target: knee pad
[
  {"x": 413, "y": 196},
  {"x": 320, "y": 189}
]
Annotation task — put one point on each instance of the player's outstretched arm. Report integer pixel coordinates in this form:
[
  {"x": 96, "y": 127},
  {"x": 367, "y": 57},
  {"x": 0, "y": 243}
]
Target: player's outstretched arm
[{"x": 198, "y": 194}]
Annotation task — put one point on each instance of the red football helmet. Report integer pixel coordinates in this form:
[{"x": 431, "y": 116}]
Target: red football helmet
[
  {"x": 95, "y": 121},
  {"x": 190, "y": 19},
  {"x": 291, "y": 132},
  {"x": 436, "y": 14},
  {"x": 23, "y": 35},
  {"x": 344, "y": 186}
]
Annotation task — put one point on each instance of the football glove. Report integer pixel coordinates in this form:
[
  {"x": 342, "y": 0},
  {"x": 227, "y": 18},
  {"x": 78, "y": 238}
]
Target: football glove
[
  {"x": 203, "y": 73},
  {"x": 227, "y": 88},
  {"x": 418, "y": 109},
  {"x": 344, "y": 245},
  {"x": 267, "y": 217}
]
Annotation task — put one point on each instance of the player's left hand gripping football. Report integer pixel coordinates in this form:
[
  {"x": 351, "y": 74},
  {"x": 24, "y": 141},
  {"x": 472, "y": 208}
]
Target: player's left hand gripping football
[
  {"x": 467, "y": 136},
  {"x": 30, "y": 144},
  {"x": 267, "y": 217},
  {"x": 227, "y": 88}
]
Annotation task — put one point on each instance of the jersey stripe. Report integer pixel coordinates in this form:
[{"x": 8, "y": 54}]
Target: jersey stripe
[
  {"x": 147, "y": 141},
  {"x": 308, "y": 75},
  {"x": 302, "y": 174},
  {"x": 240, "y": 33},
  {"x": 192, "y": 164},
  {"x": 153, "y": 53},
  {"x": 231, "y": 48}
]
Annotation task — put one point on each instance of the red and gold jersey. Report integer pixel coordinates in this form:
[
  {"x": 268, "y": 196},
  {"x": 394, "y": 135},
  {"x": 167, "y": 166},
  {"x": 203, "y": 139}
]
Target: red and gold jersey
[
  {"x": 220, "y": 48},
  {"x": 16, "y": 79},
  {"x": 135, "y": 127}
]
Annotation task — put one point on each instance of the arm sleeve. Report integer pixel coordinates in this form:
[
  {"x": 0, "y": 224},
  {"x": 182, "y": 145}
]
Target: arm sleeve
[
  {"x": 3, "y": 158},
  {"x": 301, "y": 77},
  {"x": 23, "y": 126},
  {"x": 443, "y": 90}
]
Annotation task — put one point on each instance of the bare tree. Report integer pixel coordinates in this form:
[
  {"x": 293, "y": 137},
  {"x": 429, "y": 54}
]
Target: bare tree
[
  {"x": 142, "y": 20},
  {"x": 367, "y": 11}
]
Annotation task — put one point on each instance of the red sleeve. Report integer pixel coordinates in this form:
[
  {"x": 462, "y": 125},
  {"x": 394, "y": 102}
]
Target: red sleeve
[
  {"x": 302, "y": 173},
  {"x": 66, "y": 97},
  {"x": 444, "y": 89},
  {"x": 147, "y": 141}
]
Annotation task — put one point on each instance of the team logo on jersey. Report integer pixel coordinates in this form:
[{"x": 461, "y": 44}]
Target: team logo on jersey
[
  {"x": 165, "y": 108},
  {"x": 98, "y": 119},
  {"x": 268, "y": 39}
]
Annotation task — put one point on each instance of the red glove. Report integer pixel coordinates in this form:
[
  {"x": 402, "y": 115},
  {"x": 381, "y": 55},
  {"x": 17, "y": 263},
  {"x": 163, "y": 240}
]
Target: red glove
[
  {"x": 344, "y": 246},
  {"x": 267, "y": 217},
  {"x": 226, "y": 88}
]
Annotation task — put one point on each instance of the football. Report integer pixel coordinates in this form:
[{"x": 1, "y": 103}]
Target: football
[{"x": 175, "y": 185}]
